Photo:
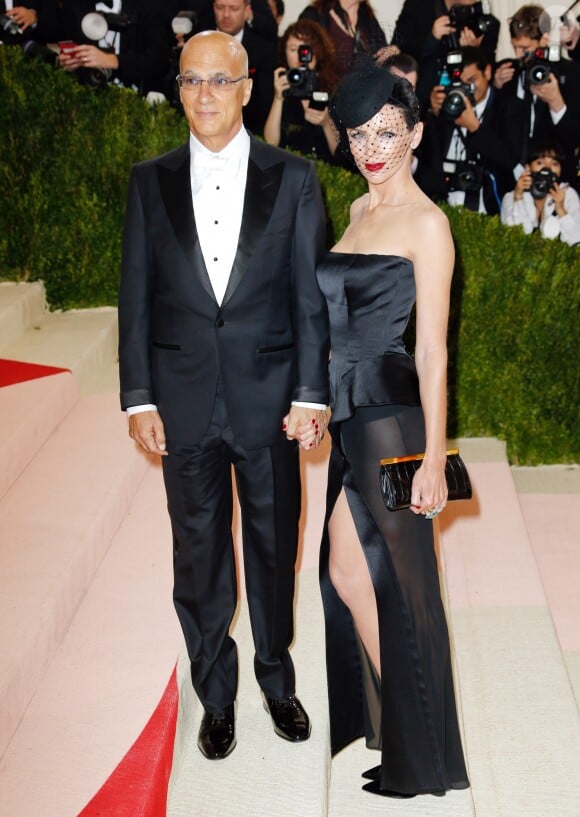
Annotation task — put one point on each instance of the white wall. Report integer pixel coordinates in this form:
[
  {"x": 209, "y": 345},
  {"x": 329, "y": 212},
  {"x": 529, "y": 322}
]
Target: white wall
[{"x": 387, "y": 12}]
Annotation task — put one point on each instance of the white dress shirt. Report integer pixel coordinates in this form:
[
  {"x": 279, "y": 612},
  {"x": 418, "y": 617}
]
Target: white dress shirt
[{"x": 218, "y": 202}]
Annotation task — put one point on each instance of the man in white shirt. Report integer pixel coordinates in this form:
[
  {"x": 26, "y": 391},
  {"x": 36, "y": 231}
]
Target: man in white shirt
[{"x": 222, "y": 327}]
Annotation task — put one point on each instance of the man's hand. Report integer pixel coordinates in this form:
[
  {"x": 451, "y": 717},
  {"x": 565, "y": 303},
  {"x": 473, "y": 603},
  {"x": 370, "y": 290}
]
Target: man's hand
[
  {"x": 549, "y": 92},
  {"x": 22, "y": 16},
  {"x": 468, "y": 38},
  {"x": 442, "y": 27},
  {"x": 305, "y": 425},
  {"x": 146, "y": 428},
  {"x": 436, "y": 99},
  {"x": 468, "y": 118},
  {"x": 503, "y": 74}
]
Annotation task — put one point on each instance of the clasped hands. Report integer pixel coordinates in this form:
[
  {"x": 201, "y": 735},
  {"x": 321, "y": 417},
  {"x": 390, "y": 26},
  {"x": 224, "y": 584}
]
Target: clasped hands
[{"x": 305, "y": 425}]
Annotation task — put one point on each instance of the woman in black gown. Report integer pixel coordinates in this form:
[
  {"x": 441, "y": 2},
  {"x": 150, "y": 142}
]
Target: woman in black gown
[{"x": 388, "y": 656}]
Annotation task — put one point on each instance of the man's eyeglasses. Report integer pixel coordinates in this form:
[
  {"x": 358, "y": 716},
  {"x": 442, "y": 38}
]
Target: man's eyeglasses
[{"x": 213, "y": 83}]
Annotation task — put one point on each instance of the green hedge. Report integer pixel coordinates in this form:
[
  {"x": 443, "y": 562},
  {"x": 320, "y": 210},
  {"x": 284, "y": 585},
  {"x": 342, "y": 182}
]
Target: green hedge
[{"x": 65, "y": 153}]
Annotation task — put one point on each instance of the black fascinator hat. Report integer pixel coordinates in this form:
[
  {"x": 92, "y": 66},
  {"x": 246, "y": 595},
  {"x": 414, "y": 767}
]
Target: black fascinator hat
[{"x": 361, "y": 94}]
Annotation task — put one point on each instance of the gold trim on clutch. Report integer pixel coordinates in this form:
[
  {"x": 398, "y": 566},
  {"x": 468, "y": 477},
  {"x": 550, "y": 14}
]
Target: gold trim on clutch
[{"x": 411, "y": 457}]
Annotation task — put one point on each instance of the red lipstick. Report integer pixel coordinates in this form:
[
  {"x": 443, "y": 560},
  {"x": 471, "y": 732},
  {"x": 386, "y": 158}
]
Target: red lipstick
[{"x": 374, "y": 167}]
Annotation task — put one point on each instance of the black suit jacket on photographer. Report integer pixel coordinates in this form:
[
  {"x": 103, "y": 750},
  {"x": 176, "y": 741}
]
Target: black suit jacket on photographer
[
  {"x": 566, "y": 133},
  {"x": 261, "y": 65},
  {"x": 494, "y": 146},
  {"x": 145, "y": 46}
]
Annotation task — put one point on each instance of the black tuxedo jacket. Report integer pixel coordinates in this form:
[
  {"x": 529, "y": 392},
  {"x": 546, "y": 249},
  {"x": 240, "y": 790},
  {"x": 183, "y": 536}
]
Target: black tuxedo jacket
[{"x": 267, "y": 342}]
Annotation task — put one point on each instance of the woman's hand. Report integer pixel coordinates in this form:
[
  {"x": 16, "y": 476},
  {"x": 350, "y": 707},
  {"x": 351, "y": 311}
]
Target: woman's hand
[
  {"x": 88, "y": 56},
  {"x": 523, "y": 183},
  {"x": 429, "y": 489},
  {"x": 316, "y": 117},
  {"x": 281, "y": 83}
]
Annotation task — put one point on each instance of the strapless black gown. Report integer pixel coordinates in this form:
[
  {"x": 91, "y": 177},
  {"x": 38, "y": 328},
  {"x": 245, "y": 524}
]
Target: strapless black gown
[{"x": 410, "y": 713}]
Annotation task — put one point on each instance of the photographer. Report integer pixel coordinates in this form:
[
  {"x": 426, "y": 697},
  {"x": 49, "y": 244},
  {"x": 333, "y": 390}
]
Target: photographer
[
  {"x": 540, "y": 201},
  {"x": 352, "y": 27},
  {"x": 445, "y": 25},
  {"x": 470, "y": 140},
  {"x": 542, "y": 87},
  {"x": 233, "y": 18},
  {"x": 294, "y": 120},
  {"x": 135, "y": 51}
]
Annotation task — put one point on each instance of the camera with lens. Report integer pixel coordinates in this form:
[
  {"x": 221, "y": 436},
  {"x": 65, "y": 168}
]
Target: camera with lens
[
  {"x": 465, "y": 176},
  {"x": 536, "y": 66},
  {"x": 8, "y": 27},
  {"x": 303, "y": 81},
  {"x": 542, "y": 182},
  {"x": 476, "y": 17},
  {"x": 10, "y": 34},
  {"x": 456, "y": 91}
]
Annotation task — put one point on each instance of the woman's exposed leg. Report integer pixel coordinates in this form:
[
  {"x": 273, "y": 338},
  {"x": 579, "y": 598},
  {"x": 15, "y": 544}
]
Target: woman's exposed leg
[{"x": 349, "y": 573}]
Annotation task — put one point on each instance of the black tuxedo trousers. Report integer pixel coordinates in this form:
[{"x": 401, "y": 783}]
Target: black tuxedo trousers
[{"x": 199, "y": 489}]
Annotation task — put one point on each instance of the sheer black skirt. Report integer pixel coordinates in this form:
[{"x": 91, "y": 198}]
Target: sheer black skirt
[{"x": 409, "y": 713}]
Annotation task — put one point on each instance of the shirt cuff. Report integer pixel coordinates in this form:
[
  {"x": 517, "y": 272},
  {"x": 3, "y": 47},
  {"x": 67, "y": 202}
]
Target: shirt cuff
[
  {"x": 302, "y": 404},
  {"x": 138, "y": 409}
]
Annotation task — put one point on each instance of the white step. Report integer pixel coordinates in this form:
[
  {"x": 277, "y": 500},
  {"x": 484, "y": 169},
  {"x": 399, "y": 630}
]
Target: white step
[
  {"x": 264, "y": 776},
  {"x": 84, "y": 341},
  {"x": 56, "y": 523},
  {"x": 21, "y": 306}
]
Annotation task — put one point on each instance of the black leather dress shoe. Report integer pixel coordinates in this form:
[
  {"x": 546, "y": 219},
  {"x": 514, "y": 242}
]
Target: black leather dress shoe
[
  {"x": 217, "y": 734},
  {"x": 289, "y": 718}
]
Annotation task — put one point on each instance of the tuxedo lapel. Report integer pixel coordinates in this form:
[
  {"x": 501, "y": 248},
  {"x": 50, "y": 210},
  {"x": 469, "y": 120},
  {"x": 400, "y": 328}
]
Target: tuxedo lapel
[
  {"x": 175, "y": 187},
  {"x": 262, "y": 186}
]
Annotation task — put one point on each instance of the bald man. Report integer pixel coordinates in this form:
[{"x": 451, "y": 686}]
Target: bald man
[{"x": 223, "y": 356}]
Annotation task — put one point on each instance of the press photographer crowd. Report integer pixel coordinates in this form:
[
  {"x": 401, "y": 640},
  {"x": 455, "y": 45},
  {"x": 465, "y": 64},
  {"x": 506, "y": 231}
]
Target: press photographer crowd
[{"x": 500, "y": 137}]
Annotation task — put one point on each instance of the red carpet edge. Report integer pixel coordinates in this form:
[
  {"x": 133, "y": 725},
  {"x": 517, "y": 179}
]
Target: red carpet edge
[
  {"x": 16, "y": 371},
  {"x": 138, "y": 786}
]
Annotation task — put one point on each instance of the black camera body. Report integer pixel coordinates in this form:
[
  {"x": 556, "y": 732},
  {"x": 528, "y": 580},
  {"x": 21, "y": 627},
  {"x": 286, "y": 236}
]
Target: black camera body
[
  {"x": 303, "y": 81},
  {"x": 10, "y": 34},
  {"x": 456, "y": 91},
  {"x": 9, "y": 28},
  {"x": 465, "y": 176},
  {"x": 542, "y": 182},
  {"x": 476, "y": 17},
  {"x": 455, "y": 95},
  {"x": 536, "y": 67}
]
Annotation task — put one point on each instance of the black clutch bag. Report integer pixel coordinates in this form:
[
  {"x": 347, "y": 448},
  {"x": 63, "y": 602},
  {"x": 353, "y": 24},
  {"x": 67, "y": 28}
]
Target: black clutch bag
[{"x": 396, "y": 477}]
